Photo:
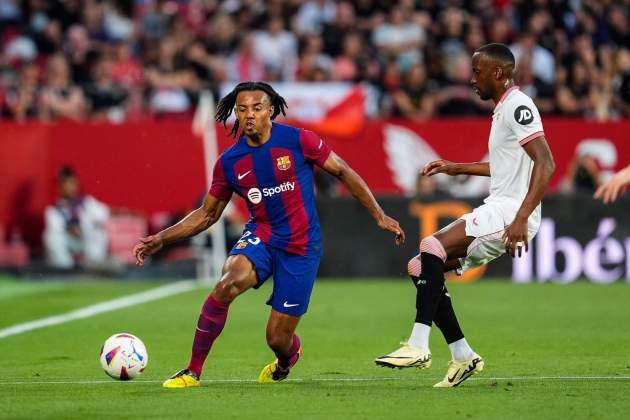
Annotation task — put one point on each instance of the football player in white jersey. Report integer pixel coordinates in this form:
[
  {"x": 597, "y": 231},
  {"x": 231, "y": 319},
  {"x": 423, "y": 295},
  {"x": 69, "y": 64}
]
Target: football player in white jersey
[{"x": 520, "y": 168}]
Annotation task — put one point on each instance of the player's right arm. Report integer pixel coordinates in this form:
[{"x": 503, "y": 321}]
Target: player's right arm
[
  {"x": 195, "y": 222},
  {"x": 442, "y": 166}
]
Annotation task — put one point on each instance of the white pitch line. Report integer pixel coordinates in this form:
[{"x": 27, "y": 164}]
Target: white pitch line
[
  {"x": 243, "y": 381},
  {"x": 107, "y": 306}
]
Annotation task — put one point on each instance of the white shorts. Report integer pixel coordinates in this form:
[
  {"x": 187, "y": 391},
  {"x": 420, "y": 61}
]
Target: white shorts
[{"x": 487, "y": 224}]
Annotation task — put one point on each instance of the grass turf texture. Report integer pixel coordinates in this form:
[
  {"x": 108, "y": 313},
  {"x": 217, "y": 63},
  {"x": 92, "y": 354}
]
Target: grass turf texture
[{"x": 527, "y": 331}]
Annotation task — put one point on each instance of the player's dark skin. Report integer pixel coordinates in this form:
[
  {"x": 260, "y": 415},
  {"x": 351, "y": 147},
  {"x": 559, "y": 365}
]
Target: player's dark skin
[
  {"x": 490, "y": 79},
  {"x": 253, "y": 111}
]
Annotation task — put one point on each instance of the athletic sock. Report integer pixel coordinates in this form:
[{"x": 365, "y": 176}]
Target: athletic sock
[
  {"x": 446, "y": 320},
  {"x": 461, "y": 350},
  {"x": 420, "y": 336},
  {"x": 209, "y": 325},
  {"x": 288, "y": 359},
  {"x": 429, "y": 288}
]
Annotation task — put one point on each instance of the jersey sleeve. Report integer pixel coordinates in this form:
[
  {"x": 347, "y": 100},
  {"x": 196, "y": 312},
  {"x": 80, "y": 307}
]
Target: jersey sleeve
[
  {"x": 314, "y": 148},
  {"x": 524, "y": 121},
  {"x": 220, "y": 187}
]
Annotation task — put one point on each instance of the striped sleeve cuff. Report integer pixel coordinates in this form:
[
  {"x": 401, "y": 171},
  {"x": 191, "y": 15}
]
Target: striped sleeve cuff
[{"x": 531, "y": 137}]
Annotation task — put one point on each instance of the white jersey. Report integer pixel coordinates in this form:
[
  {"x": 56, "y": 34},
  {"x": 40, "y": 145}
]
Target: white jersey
[{"x": 515, "y": 122}]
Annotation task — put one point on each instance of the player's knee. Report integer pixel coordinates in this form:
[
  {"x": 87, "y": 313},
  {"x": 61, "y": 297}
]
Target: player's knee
[
  {"x": 414, "y": 266},
  {"x": 238, "y": 276},
  {"x": 431, "y": 245}
]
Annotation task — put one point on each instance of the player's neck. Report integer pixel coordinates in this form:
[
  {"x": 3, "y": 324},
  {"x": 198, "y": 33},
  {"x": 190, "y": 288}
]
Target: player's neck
[
  {"x": 509, "y": 83},
  {"x": 259, "y": 139}
]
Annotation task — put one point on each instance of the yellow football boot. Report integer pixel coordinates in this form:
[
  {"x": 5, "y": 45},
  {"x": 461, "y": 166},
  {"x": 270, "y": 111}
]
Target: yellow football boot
[
  {"x": 272, "y": 373},
  {"x": 182, "y": 379},
  {"x": 407, "y": 356},
  {"x": 459, "y": 371}
]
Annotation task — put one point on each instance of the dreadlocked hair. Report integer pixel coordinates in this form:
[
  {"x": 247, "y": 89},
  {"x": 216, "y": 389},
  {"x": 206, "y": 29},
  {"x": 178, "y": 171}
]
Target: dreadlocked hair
[{"x": 226, "y": 105}]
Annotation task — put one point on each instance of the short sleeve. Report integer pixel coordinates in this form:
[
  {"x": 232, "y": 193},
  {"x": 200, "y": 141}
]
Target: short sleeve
[
  {"x": 524, "y": 121},
  {"x": 314, "y": 148},
  {"x": 220, "y": 188}
]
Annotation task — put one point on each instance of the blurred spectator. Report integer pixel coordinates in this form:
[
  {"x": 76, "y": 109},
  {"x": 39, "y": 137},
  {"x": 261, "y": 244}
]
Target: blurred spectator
[
  {"x": 277, "y": 48},
  {"x": 400, "y": 38},
  {"x": 621, "y": 82},
  {"x": 538, "y": 58},
  {"x": 571, "y": 55},
  {"x": 582, "y": 176},
  {"x": 313, "y": 15},
  {"x": 414, "y": 99},
  {"x": 455, "y": 96},
  {"x": 106, "y": 96},
  {"x": 60, "y": 98},
  {"x": 21, "y": 97},
  {"x": 245, "y": 63},
  {"x": 74, "y": 234}
]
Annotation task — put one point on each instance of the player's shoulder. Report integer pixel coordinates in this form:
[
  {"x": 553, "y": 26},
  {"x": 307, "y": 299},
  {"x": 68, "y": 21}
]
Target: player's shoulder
[
  {"x": 233, "y": 151},
  {"x": 521, "y": 108},
  {"x": 286, "y": 130},
  {"x": 518, "y": 98}
]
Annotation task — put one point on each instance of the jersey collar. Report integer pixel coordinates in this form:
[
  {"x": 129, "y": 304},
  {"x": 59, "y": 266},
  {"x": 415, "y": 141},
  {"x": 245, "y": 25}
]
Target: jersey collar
[{"x": 505, "y": 95}]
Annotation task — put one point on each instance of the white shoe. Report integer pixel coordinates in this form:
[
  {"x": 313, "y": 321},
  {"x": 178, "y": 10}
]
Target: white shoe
[
  {"x": 405, "y": 357},
  {"x": 459, "y": 371}
]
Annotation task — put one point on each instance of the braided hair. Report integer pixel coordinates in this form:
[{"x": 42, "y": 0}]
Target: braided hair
[{"x": 226, "y": 105}]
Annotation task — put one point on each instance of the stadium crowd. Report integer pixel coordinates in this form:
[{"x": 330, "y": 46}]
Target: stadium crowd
[{"x": 123, "y": 60}]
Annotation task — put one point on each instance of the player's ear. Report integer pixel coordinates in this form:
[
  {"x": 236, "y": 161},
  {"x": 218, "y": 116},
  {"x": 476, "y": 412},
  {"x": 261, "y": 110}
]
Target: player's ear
[{"x": 498, "y": 73}]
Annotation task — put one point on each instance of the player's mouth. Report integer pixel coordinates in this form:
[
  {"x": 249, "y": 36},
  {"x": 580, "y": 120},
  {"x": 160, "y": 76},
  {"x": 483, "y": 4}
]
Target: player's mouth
[
  {"x": 249, "y": 125},
  {"x": 476, "y": 90}
]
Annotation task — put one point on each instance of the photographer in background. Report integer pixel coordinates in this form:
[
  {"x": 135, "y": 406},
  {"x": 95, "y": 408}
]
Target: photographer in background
[{"x": 75, "y": 235}]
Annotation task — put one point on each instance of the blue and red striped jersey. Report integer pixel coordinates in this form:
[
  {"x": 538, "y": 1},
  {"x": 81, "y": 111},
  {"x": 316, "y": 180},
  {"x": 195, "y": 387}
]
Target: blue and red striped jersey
[{"x": 276, "y": 181}]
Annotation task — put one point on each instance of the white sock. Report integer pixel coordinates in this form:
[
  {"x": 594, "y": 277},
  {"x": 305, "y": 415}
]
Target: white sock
[
  {"x": 420, "y": 336},
  {"x": 460, "y": 350}
]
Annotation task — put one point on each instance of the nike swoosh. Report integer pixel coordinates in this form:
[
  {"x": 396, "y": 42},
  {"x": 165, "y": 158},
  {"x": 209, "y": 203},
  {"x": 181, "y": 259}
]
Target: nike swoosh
[
  {"x": 451, "y": 379},
  {"x": 241, "y": 176},
  {"x": 290, "y": 305},
  {"x": 321, "y": 143}
]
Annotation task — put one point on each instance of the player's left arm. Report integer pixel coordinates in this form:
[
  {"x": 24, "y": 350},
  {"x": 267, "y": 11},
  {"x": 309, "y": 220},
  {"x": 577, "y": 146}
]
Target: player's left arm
[
  {"x": 544, "y": 167},
  {"x": 337, "y": 167}
]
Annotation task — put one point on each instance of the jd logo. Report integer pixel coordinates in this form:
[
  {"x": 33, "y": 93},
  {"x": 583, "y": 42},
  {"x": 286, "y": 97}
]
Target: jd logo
[{"x": 523, "y": 115}]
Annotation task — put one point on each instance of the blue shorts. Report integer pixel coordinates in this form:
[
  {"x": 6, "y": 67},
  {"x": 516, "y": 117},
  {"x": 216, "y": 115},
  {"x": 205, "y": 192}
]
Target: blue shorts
[{"x": 293, "y": 275}]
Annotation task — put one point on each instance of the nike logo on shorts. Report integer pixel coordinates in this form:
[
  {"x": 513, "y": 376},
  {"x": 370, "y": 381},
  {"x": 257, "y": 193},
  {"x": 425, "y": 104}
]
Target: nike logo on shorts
[
  {"x": 290, "y": 305},
  {"x": 241, "y": 176}
]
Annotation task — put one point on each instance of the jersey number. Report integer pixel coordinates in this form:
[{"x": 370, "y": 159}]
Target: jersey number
[{"x": 254, "y": 240}]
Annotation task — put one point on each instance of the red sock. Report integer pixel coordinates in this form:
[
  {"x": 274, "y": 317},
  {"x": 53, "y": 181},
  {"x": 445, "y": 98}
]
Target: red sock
[
  {"x": 209, "y": 326},
  {"x": 288, "y": 360}
]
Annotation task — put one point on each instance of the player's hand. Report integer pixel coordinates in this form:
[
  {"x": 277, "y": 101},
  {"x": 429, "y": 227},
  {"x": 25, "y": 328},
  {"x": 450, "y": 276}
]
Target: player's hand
[
  {"x": 387, "y": 223},
  {"x": 440, "y": 166},
  {"x": 147, "y": 246},
  {"x": 515, "y": 237},
  {"x": 615, "y": 187}
]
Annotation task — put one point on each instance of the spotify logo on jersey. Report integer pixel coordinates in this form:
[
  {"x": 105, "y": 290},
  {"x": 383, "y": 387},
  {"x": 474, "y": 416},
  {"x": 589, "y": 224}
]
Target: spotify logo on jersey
[{"x": 254, "y": 195}]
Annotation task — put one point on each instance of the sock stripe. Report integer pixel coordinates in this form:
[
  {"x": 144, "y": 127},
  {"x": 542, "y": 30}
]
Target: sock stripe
[{"x": 433, "y": 246}]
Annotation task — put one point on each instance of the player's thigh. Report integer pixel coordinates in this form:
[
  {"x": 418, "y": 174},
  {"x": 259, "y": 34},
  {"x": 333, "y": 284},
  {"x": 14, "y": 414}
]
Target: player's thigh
[
  {"x": 454, "y": 239},
  {"x": 293, "y": 281},
  {"x": 248, "y": 265}
]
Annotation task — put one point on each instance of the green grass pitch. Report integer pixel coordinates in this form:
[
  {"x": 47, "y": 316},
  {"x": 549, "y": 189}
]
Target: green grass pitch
[{"x": 551, "y": 352}]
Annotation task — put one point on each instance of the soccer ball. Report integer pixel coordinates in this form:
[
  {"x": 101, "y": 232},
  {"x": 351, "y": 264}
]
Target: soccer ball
[{"x": 123, "y": 356}]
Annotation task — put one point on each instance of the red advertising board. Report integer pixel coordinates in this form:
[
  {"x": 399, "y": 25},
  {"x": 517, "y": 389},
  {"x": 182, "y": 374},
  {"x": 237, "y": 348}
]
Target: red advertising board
[{"x": 157, "y": 166}]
